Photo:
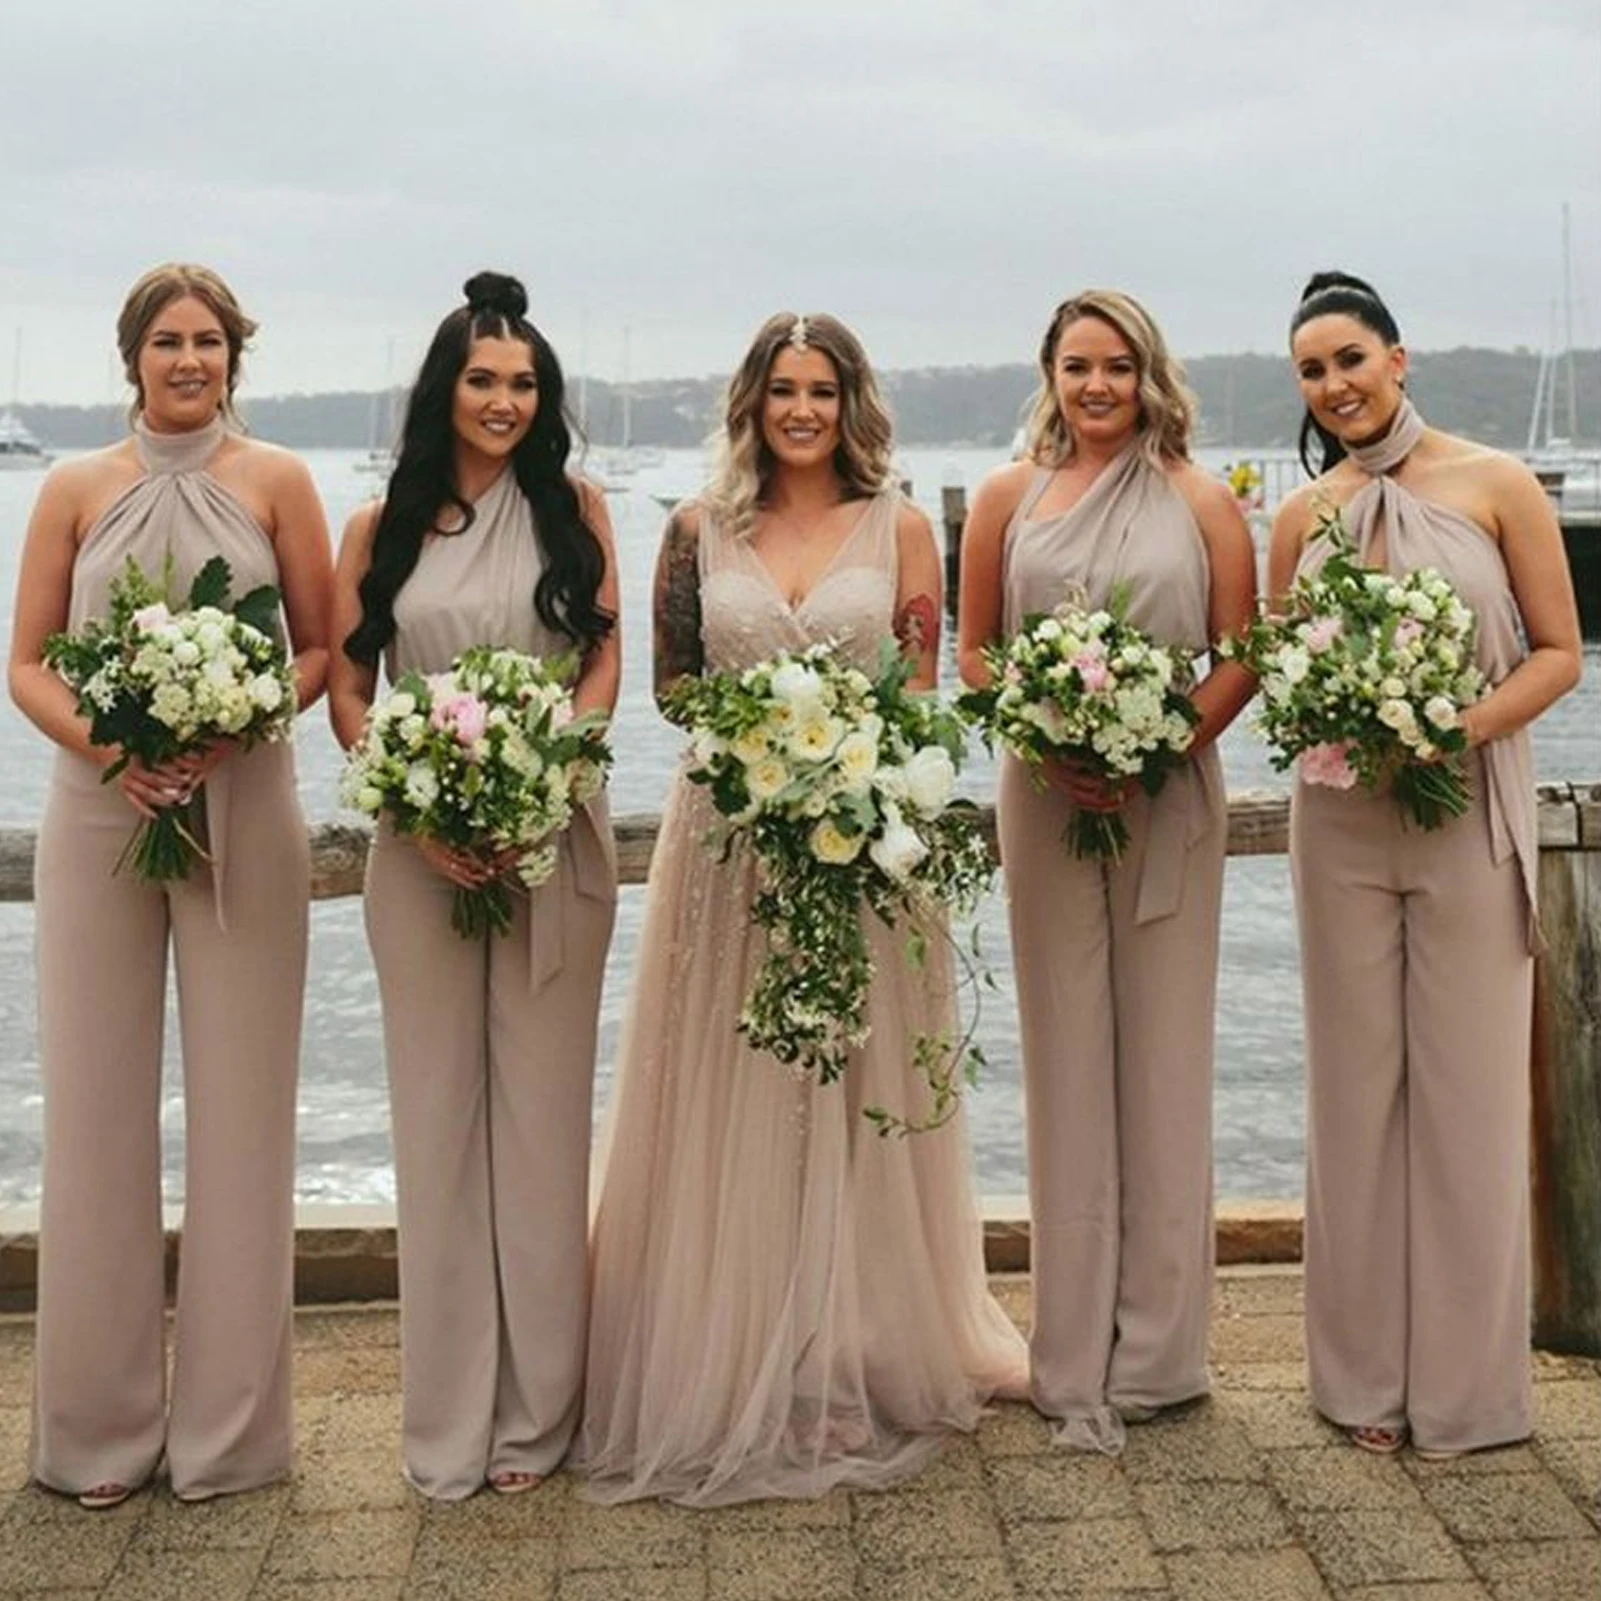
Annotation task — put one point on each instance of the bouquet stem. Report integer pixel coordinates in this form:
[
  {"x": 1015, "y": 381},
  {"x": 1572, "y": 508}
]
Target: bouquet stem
[
  {"x": 1431, "y": 794},
  {"x": 167, "y": 845},
  {"x": 478, "y": 913},
  {"x": 1096, "y": 836}
]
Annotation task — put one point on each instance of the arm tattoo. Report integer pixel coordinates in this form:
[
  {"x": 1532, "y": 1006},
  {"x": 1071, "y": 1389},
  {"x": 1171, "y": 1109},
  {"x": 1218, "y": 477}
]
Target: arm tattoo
[
  {"x": 917, "y": 625},
  {"x": 676, "y": 619}
]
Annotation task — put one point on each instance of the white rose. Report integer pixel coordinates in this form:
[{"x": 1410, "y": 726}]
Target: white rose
[
  {"x": 815, "y": 735},
  {"x": 1441, "y": 712},
  {"x": 831, "y": 846},
  {"x": 1294, "y": 664},
  {"x": 858, "y": 758},
  {"x": 422, "y": 787},
  {"x": 400, "y": 705},
  {"x": 1396, "y": 714},
  {"x": 898, "y": 850},
  {"x": 766, "y": 778},
  {"x": 751, "y": 746},
  {"x": 930, "y": 779},
  {"x": 791, "y": 681},
  {"x": 267, "y": 691}
]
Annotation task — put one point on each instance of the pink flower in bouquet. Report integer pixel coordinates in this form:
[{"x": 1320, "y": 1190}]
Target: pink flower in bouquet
[
  {"x": 1328, "y": 764},
  {"x": 149, "y": 618},
  {"x": 1407, "y": 632},
  {"x": 465, "y": 714},
  {"x": 1092, "y": 670},
  {"x": 1322, "y": 633}
]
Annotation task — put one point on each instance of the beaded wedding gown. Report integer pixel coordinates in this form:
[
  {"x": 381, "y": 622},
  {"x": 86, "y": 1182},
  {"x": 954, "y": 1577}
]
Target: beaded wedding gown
[{"x": 782, "y": 1301}]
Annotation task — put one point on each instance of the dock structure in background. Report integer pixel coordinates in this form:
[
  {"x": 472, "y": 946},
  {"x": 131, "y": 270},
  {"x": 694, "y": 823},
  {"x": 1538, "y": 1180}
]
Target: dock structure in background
[{"x": 1565, "y": 1051}]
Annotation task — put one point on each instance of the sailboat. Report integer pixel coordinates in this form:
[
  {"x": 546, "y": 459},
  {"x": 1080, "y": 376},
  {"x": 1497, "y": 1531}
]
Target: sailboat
[
  {"x": 20, "y": 450},
  {"x": 1570, "y": 470},
  {"x": 380, "y": 457},
  {"x": 624, "y": 459}
]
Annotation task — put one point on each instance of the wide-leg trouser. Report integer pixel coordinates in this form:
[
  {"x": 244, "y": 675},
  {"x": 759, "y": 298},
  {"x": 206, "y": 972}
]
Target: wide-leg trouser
[
  {"x": 1117, "y": 1032},
  {"x": 1418, "y": 987},
  {"x": 491, "y": 1068},
  {"x": 101, "y": 1408}
]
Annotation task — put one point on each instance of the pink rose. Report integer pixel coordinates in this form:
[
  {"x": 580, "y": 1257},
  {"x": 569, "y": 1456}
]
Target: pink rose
[
  {"x": 1321, "y": 634},
  {"x": 1328, "y": 764},
  {"x": 1092, "y": 671},
  {"x": 465, "y": 715},
  {"x": 149, "y": 618},
  {"x": 1408, "y": 629}
]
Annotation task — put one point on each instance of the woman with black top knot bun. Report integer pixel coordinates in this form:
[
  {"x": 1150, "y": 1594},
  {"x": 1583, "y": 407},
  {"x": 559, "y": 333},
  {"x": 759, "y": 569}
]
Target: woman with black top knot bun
[
  {"x": 483, "y": 538},
  {"x": 1416, "y": 945}
]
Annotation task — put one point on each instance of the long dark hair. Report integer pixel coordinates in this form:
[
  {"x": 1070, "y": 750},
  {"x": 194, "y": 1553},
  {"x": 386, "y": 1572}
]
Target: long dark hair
[
  {"x": 423, "y": 485},
  {"x": 1341, "y": 295}
]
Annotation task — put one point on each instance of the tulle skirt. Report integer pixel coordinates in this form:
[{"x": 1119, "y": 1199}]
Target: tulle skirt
[{"x": 782, "y": 1301}]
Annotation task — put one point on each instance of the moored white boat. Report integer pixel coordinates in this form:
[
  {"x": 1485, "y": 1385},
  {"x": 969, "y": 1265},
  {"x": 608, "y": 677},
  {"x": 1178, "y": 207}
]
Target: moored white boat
[{"x": 20, "y": 450}]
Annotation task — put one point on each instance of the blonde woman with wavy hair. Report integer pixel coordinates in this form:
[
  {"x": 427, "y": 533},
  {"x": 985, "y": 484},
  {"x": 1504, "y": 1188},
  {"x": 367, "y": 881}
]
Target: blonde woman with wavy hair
[
  {"x": 781, "y": 1303},
  {"x": 1116, "y": 962},
  {"x": 745, "y": 462}
]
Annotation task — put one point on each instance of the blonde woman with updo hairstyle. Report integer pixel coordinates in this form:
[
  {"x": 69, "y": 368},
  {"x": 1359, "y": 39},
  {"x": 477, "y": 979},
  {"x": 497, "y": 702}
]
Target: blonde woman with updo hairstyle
[
  {"x": 187, "y": 485},
  {"x": 781, "y": 1301},
  {"x": 1116, "y": 961}
]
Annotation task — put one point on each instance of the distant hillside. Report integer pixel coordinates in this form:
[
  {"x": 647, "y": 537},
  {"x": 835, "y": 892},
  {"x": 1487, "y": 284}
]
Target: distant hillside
[{"x": 1245, "y": 400}]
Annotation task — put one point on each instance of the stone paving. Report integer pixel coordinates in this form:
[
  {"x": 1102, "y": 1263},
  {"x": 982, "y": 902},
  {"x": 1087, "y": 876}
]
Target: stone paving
[{"x": 1246, "y": 1497}]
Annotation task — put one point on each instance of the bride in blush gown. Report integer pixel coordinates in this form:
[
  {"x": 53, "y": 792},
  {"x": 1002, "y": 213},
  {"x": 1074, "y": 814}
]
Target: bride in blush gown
[{"x": 782, "y": 1301}]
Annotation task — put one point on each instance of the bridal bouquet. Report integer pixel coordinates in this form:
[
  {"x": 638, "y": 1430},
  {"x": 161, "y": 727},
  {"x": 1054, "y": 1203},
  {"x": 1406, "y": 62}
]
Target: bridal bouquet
[
  {"x": 842, "y": 784},
  {"x": 1087, "y": 687},
  {"x": 1364, "y": 679},
  {"x": 162, "y": 679},
  {"x": 486, "y": 758}
]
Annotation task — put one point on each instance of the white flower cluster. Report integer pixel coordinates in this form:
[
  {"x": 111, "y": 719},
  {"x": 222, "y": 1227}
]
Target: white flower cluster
[
  {"x": 842, "y": 786},
  {"x": 1365, "y": 679},
  {"x": 487, "y": 757},
  {"x": 1085, "y": 683},
  {"x": 200, "y": 674},
  {"x": 806, "y": 743},
  {"x": 1404, "y": 660}
]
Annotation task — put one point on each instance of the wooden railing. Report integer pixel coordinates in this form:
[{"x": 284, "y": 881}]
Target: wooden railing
[{"x": 1565, "y": 1054}]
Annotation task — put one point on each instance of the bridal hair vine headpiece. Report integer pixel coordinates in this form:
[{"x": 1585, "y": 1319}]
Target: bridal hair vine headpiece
[{"x": 797, "y": 334}]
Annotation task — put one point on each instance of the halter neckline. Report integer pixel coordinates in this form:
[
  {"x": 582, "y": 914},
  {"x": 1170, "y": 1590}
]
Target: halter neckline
[
  {"x": 185, "y": 452},
  {"x": 1381, "y": 456}
]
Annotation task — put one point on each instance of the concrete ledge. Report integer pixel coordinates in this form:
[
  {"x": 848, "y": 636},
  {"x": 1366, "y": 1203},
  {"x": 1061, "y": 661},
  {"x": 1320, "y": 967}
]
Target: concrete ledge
[{"x": 347, "y": 1253}]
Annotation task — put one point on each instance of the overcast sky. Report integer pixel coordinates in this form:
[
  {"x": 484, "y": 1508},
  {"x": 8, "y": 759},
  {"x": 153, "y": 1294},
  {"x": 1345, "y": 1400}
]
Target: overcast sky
[{"x": 938, "y": 172}]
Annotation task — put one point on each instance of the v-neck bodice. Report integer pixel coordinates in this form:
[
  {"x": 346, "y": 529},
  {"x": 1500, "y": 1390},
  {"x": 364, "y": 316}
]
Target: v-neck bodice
[{"x": 746, "y": 617}]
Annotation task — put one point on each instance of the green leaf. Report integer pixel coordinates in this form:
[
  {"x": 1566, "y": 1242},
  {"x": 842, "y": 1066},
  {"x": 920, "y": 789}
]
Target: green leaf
[
  {"x": 211, "y": 585},
  {"x": 259, "y": 608}
]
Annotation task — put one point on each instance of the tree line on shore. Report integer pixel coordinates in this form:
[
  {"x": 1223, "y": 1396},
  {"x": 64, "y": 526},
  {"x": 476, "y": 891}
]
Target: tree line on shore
[{"x": 1246, "y": 400}]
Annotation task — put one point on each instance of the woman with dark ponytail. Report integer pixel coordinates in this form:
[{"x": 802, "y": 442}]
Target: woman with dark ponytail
[
  {"x": 483, "y": 538},
  {"x": 1416, "y": 946}
]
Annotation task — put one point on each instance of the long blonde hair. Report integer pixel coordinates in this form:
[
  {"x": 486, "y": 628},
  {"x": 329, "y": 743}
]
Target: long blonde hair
[
  {"x": 154, "y": 292},
  {"x": 1167, "y": 408},
  {"x": 743, "y": 470}
]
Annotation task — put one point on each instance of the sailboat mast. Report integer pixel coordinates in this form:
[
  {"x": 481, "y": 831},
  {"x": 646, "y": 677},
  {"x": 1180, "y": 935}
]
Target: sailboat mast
[
  {"x": 1567, "y": 325},
  {"x": 628, "y": 392}
]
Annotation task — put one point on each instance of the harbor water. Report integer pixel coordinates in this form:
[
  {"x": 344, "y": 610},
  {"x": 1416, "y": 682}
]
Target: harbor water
[{"x": 344, "y": 1141}]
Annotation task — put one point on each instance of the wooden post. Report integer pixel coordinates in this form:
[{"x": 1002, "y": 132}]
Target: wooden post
[
  {"x": 953, "y": 507},
  {"x": 1565, "y": 1068}
]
